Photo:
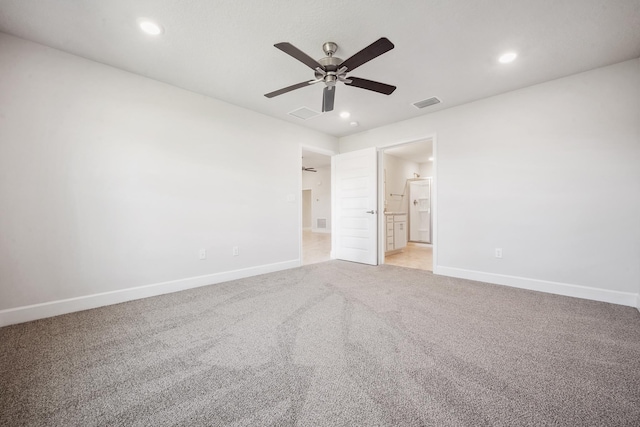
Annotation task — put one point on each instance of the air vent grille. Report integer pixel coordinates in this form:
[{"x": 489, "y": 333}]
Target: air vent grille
[
  {"x": 321, "y": 223},
  {"x": 427, "y": 102},
  {"x": 304, "y": 113}
]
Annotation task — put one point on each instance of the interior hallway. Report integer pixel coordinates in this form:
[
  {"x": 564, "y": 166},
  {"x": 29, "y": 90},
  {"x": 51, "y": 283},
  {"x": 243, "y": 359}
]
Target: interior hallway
[{"x": 316, "y": 247}]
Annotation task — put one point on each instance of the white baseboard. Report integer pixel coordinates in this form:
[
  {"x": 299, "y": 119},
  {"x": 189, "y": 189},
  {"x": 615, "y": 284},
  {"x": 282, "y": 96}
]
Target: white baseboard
[
  {"x": 596, "y": 294},
  {"x": 28, "y": 313}
]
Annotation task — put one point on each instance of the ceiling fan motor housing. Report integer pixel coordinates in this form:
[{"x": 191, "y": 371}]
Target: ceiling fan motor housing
[{"x": 330, "y": 64}]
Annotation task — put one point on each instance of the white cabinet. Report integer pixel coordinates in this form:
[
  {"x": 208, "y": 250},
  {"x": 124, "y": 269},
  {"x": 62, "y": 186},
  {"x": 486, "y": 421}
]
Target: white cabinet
[
  {"x": 396, "y": 232},
  {"x": 390, "y": 230},
  {"x": 399, "y": 234}
]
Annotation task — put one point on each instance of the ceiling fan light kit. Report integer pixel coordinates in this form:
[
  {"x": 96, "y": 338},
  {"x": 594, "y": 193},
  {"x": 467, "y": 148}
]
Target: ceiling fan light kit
[{"x": 330, "y": 70}]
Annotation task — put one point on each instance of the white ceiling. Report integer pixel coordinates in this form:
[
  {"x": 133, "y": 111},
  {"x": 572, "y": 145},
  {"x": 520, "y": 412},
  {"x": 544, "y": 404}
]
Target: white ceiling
[
  {"x": 418, "y": 152},
  {"x": 224, "y": 49}
]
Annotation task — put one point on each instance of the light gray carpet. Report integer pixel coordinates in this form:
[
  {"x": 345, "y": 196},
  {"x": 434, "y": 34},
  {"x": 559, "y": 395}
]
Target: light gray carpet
[{"x": 330, "y": 344}]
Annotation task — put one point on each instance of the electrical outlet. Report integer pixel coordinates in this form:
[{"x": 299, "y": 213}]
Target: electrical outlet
[
  {"x": 236, "y": 252},
  {"x": 202, "y": 254},
  {"x": 498, "y": 252}
]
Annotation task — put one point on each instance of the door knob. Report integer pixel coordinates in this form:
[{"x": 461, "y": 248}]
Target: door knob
[{"x": 371, "y": 212}]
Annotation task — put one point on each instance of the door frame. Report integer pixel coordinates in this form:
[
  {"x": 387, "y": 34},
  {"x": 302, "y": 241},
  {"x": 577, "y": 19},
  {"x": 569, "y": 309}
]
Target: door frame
[{"x": 434, "y": 197}]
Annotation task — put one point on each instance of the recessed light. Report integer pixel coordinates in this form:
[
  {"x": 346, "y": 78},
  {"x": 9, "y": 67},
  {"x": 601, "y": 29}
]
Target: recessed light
[
  {"x": 354, "y": 123},
  {"x": 150, "y": 27},
  {"x": 345, "y": 114},
  {"x": 507, "y": 57},
  {"x": 431, "y": 159}
]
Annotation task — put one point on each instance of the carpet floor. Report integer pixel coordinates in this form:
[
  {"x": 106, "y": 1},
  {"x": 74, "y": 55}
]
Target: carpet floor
[{"x": 329, "y": 344}]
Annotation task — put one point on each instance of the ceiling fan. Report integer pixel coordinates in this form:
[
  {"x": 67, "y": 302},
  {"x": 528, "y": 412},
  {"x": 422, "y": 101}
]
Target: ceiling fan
[
  {"x": 331, "y": 70},
  {"x": 309, "y": 169}
]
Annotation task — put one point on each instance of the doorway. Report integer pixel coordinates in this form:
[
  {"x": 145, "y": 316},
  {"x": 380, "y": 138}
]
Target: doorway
[
  {"x": 407, "y": 189},
  {"x": 316, "y": 207}
]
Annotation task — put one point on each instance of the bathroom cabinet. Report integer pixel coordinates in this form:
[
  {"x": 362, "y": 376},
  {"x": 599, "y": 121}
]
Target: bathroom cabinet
[{"x": 396, "y": 231}]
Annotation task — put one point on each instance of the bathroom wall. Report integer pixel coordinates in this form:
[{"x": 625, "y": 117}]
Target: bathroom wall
[
  {"x": 397, "y": 171},
  {"x": 426, "y": 169}
]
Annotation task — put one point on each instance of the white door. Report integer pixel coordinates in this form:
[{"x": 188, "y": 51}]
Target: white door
[
  {"x": 420, "y": 211},
  {"x": 356, "y": 204}
]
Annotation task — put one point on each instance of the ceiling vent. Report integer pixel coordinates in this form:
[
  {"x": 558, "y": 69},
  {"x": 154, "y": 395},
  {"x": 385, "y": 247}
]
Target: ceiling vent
[
  {"x": 304, "y": 113},
  {"x": 427, "y": 102}
]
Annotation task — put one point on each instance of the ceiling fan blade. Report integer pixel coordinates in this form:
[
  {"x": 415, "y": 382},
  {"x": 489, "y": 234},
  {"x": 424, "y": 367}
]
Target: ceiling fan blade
[
  {"x": 374, "y": 50},
  {"x": 328, "y": 96},
  {"x": 291, "y": 50},
  {"x": 370, "y": 85},
  {"x": 289, "y": 88}
]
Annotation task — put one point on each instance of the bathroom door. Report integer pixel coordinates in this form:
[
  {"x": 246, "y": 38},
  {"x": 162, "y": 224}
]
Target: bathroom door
[{"x": 420, "y": 210}]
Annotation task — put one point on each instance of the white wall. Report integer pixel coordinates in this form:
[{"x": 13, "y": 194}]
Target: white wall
[
  {"x": 306, "y": 209},
  {"x": 397, "y": 171},
  {"x": 110, "y": 181},
  {"x": 550, "y": 174},
  {"x": 426, "y": 169},
  {"x": 320, "y": 185}
]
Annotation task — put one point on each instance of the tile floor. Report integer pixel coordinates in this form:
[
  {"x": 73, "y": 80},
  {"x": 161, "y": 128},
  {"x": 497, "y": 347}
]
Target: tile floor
[
  {"x": 316, "y": 247},
  {"x": 415, "y": 255}
]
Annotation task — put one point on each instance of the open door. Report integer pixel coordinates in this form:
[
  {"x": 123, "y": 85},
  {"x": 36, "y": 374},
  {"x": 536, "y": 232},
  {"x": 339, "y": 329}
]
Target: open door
[{"x": 356, "y": 204}]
